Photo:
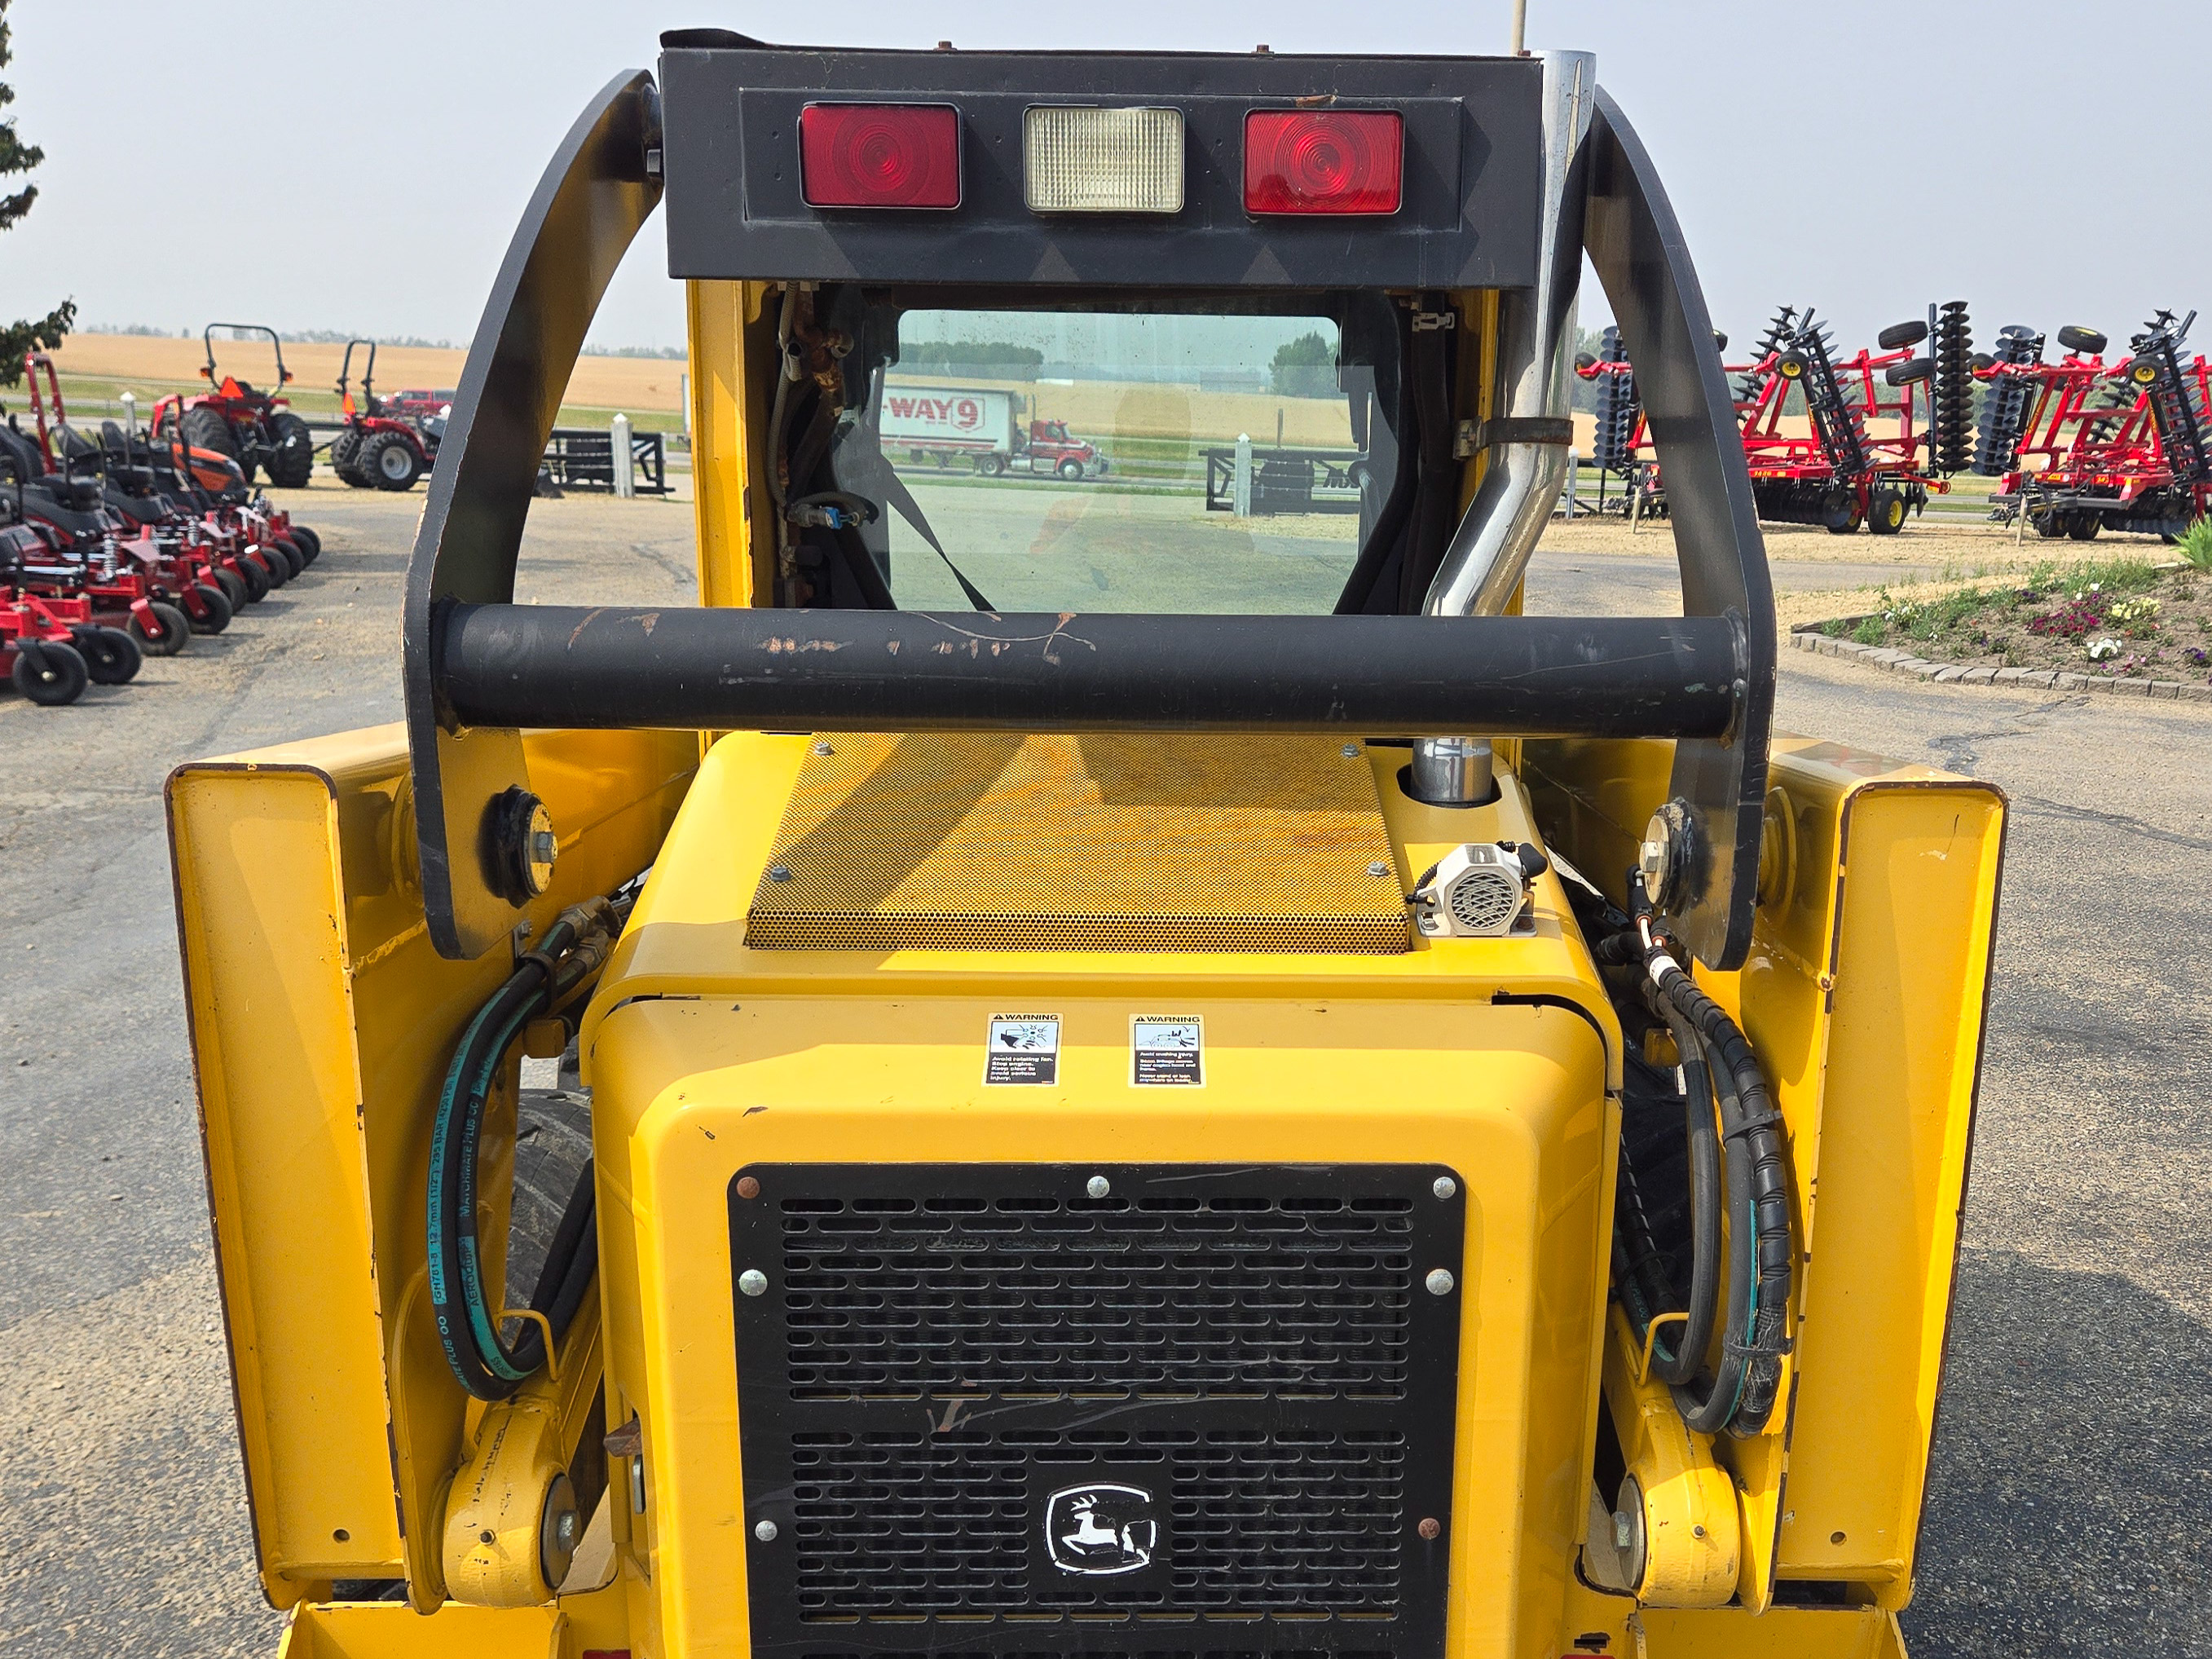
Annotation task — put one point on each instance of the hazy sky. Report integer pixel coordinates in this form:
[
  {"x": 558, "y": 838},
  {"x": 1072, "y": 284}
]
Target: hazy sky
[{"x": 318, "y": 166}]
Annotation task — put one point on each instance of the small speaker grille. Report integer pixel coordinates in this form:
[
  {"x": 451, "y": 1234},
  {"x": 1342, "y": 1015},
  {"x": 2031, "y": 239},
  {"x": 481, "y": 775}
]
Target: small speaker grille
[{"x": 1483, "y": 900}]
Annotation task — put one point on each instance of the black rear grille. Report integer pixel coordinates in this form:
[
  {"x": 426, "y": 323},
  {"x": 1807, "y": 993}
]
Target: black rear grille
[
  {"x": 974, "y": 1398},
  {"x": 1165, "y": 1293},
  {"x": 1260, "y": 1521}
]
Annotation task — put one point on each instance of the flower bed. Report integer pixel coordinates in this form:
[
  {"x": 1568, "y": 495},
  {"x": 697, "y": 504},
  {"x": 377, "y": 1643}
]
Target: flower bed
[{"x": 2126, "y": 618}]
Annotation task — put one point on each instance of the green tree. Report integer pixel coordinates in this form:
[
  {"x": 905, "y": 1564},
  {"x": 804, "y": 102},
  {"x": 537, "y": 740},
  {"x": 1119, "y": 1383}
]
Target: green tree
[
  {"x": 16, "y": 158},
  {"x": 1305, "y": 367}
]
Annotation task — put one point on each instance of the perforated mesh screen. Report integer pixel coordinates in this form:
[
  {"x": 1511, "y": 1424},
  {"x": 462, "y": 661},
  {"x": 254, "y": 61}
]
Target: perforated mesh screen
[{"x": 1004, "y": 842}]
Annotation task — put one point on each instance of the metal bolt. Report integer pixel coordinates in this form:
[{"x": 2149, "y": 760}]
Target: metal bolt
[
  {"x": 1444, "y": 1187},
  {"x": 487, "y": 1536},
  {"x": 824, "y": 749},
  {"x": 765, "y": 1531},
  {"x": 1378, "y": 868},
  {"x": 754, "y": 1282},
  {"x": 1439, "y": 1281},
  {"x": 748, "y": 1187},
  {"x": 1098, "y": 1186},
  {"x": 779, "y": 873},
  {"x": 1697, "y": 1532},
  {"x": 1430, "y": 1527},
  {"x": 1351, "y": 751}
]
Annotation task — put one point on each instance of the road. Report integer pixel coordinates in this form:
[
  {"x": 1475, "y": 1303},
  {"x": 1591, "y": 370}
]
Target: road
[{"x": 2073, "y": 1477}]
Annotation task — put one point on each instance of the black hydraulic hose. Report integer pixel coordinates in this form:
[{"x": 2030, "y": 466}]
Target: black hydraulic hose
[
  {"x": 545, "y": 980},
  {"x": 1752, "y": 1343},
  {"x": 1677, "y": 1363}
]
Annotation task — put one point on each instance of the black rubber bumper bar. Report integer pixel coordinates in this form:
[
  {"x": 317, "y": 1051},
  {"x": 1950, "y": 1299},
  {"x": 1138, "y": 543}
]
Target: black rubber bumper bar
[{"x": 532, "y": 665}]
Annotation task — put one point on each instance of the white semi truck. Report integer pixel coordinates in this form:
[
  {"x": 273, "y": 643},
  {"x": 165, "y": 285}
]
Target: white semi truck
[{"x": 946, "y": 426}]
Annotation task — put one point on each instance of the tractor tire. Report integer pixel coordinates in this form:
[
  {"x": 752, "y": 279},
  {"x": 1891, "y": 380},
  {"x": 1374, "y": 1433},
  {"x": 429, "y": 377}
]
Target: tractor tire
[
  {"x": 1887, "y": 516},
  {"x": 289, "y": 550},
  {"x": 1910, "y": 373},
  {"x": 2083, "y": 340},
  {"x": 233, "y": 588},
  {"x": 176, "y": 629},
  {"x": 48, "y": 673},
  {"x": 345, "y": 460},
  {"x": 111, "y": 656},
  {"x": 2084, "y": 526},
  {"x": 294, "y": 462},
  {"x": 1070, "y": 471},
  {"x": 217, "y": 605},
  {"x": 206, "y": 428},
  {"x": 390, "y": 462},
  {"x": 307, "y": 541},
  {"x": 1901, "y": 334},
  {"x": 2048, "y": 525},
  {"x": 253, "y": 577}
]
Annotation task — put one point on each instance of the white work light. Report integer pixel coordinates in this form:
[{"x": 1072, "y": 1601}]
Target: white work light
[{"x": 1084, "y": 160}]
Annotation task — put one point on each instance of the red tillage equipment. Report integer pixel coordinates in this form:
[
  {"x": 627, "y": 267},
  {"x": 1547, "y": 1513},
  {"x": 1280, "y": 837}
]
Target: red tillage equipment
[
  {"x": 2083, "y": 445},
  {"x": 1883, "y": 428}
]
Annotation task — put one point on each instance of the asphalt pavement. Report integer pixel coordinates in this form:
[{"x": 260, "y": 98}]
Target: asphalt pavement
[{"x": 2072, "y": 1492}]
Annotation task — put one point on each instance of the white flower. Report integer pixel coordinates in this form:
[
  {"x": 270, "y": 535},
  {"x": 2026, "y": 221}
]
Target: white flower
[{"x": 2103, "y": 650}]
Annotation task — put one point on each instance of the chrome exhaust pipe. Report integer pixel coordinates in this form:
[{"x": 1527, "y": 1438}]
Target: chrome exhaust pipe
[{"x": 1529, "y": 442}]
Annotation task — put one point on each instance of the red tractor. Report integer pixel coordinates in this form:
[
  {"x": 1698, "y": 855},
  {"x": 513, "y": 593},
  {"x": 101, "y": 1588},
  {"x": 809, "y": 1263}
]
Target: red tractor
[
  {"x": 377, "y": 449},
  {"x": 2083, "y": 445},
  {"x": 254, "y": 428}
]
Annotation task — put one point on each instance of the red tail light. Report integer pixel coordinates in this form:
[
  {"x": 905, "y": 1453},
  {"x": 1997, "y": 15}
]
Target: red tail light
[
  {"x": 879, "y": 156},
  {"x": 1323, "y": 160}
]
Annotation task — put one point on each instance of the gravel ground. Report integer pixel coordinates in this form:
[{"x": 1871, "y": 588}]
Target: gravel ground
[{"x": 2070, "y": 1491}]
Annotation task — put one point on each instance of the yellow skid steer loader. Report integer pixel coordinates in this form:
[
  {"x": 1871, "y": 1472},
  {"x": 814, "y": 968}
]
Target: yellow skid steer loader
[{"x": 1239, "y": 1099}]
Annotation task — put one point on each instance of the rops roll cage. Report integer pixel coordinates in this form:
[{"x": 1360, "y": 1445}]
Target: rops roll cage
[{"x": 479, "y": 667}]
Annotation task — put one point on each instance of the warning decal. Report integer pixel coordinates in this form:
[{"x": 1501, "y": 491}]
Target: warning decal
[
  {"x": 1166, "y": 1051},
  {"x": 1024, "y": 1048}
]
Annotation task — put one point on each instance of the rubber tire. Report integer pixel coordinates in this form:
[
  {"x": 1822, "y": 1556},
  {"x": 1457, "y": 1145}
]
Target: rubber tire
[
  {"x": 219, "y": 612},
  {"x": 294, "y": 463},
  {"x": 2048, "y": 525},
  {"x": 990, "y": 466},
  {"x": 1070, "y": 471},
  {"x": 307, "y": 541},
  {"x": 233, "y": 588},
  {"x": 343, "y": 448},
  {"x": 256, "y": 580},
  {"x": 48, "y": 673},
  {"x": 1901, "y": 334},
  {"x": 177, "y": 631},
  {"x": 278, "y": 568},
  {"x": 385, "y": 450},
  {"x": 1888, "y": 513},
  {"x": 1910, "y": 373},
  {"x": 2077, "y": 339},
  {"x": 111, "y": 656},
  {"x": 289, "y": 550},
  {"x": 2084, "y": 526},
  {"x": 206, "y": 428}
]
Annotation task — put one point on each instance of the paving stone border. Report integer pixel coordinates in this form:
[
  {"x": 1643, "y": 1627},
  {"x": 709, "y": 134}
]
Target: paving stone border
[{"x": 1807, "y": 636}]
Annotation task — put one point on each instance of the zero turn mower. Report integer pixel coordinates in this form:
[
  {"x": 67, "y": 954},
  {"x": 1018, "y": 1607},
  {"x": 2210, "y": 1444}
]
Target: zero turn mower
[{"x": 1287, "y": 1116}]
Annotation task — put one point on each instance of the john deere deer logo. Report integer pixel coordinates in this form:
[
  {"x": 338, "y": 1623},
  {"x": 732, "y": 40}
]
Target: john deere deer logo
[{"x": 1101, "y": 1528}]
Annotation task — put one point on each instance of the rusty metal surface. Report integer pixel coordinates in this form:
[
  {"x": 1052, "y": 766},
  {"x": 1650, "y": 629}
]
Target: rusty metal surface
[{"x": 1004, "y": 842}]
